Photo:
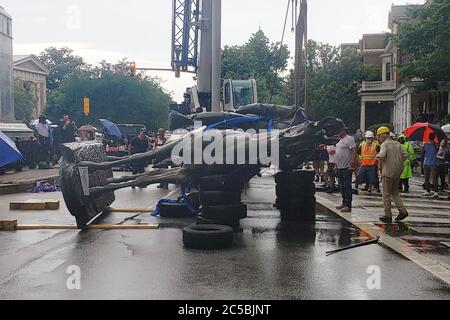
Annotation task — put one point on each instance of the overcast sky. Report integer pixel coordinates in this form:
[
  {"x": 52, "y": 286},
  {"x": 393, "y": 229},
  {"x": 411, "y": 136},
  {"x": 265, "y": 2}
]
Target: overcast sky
[{"x": 141, "y": 29}]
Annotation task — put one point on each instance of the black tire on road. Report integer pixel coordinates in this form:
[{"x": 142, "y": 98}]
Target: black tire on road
[
  {"x": 300, "y": 177},
  {"x": 235, "y": 212},
  {"x": 175, "y": 210},
  {"x": 219, "y": 183},
  {"x": 297, "y": 203},
  {"x": 229, "y": 222},
  {"x": 288, "y": 215},
  {"x": 295, "y": 191},
  {"x": 208, "y": 237},
  {"x": 217, "y": 198}
]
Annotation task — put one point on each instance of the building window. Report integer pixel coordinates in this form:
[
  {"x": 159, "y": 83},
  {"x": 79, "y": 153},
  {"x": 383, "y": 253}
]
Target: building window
[
  {"x": 9, "y": 28},
  {"x": 388, "y": 71},
  {"x": 5, "y": 25}
]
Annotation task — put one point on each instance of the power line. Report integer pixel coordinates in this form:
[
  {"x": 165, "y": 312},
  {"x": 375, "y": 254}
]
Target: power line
[{"x": 281, "y": 45}]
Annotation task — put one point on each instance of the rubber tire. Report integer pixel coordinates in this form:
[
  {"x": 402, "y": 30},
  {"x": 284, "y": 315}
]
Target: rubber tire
[
  {"x": 217, "y": 198},
  {"x": 208, "y": 237},
  {"x": 229, "y": 222},
  {"x": 297, "y": 203},
  {"x": 300, "y": 177},
  {"x": 175, "y": 210},
  {"x": 219, "y": 183},
  {"x": 290, "y": 215},
  {"x": 295, "y": 190},
  {"x": 235, "y": 212}
]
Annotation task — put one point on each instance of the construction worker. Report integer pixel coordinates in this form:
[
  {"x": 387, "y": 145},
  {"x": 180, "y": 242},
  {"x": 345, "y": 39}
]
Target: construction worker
[
  {"x": 368, "y": 170},
  {"x": 407, "y": 168},
  {"x": 392, "y": 157}
]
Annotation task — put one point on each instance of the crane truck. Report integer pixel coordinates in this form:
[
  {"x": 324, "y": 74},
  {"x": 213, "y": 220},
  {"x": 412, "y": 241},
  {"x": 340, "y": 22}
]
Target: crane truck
[{"x": 196, "y": 48}]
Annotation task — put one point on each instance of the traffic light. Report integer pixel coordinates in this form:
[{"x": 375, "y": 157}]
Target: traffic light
[
  {"x": 133, "y": 68},
  {"x": 86, "y": 106}
]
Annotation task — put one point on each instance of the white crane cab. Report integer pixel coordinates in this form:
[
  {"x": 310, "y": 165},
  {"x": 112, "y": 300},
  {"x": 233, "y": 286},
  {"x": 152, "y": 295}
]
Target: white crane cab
[{"x": 237, "y": 93}]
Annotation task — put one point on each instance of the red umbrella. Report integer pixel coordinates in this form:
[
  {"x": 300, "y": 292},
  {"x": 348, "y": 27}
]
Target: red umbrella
[{"x": 420, "y": 131}]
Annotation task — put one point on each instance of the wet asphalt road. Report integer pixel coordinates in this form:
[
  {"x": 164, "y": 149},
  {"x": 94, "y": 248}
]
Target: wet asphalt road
[{"x": 270, "y": 259}]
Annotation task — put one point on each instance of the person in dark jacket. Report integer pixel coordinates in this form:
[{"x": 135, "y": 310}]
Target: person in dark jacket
[{"x": 69, "y": 129}]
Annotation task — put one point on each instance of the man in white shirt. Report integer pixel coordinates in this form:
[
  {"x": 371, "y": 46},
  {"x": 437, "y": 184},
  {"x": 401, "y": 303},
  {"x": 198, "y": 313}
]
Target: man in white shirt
[
  {"x": 345, "y": 159},
  {"x": 43, "y": 130},
  {"x": 331, "y": 174}
]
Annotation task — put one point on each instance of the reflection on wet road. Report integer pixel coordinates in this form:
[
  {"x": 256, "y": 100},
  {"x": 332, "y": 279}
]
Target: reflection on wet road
[{"x": 271, "y": 259}]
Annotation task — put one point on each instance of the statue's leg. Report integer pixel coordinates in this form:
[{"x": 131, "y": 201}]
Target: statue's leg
[
  {"x": 164, "y": 176},
  {"x": 133, "y": 177},
  {"x": 159, "y": 154}
]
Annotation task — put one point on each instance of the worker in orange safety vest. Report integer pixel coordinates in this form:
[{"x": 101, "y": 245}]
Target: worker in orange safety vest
[{"x": 368, "y": 170}]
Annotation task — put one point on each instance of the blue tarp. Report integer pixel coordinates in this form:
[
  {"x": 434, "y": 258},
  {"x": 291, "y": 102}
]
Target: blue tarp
[{"x": 8, "y": 151}]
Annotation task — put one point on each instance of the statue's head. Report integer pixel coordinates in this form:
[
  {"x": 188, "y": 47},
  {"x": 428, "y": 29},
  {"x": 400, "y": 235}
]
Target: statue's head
[{"x": 331, "y": 126}]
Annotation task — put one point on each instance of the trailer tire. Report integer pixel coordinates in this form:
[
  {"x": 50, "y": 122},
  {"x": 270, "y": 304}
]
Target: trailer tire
[
  {"x": 235, "y": 212},
  {"x": 299, "y": 177},
  {"x": 217, "y": 198},
  {"x": 208, "y": 237},
  {"x": 175, "y": 210},
  {"x": 229, "y": 222},
  {"x": 219, "y": 183},
  {"x": 295, "y": 191},
  {"x": 298, "y": 204},
  {"x": 291, "y": 215}
]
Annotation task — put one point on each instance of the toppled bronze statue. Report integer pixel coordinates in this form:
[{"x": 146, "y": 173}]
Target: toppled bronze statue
[{"x": 88, "y": 184}]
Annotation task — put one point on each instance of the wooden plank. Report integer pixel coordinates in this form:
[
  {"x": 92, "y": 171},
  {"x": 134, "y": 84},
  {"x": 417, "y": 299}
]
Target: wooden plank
[
  {"x": 8, "y": 225},
  {"x": 28, "y": 205},
  {"x": 52, "y": 204},
  {"x": 34, "y": 204}
]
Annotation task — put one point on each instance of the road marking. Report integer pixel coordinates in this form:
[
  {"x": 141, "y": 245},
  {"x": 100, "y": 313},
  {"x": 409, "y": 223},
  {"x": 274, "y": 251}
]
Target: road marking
[{"x": 398, "y": 245}]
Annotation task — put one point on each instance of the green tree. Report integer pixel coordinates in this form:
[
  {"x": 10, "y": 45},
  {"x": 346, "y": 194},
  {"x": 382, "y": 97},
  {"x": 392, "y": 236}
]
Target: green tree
[
  {"x": 259, "y": 59},
  {"x": 24, "y": 102},
  {"x": 62, "y": 64},
  {"x": 424, "y": 41},
  {"x": 333, "y": 82},
  {"x": 114, "y": 96}
]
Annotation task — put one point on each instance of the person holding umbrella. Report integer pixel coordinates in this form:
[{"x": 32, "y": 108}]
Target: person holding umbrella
[{"x": 391, "y": 161}]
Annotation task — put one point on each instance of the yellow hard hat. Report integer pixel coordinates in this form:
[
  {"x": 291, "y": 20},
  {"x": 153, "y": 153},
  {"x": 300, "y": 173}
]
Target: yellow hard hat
[{"x": 383, "y": 130}]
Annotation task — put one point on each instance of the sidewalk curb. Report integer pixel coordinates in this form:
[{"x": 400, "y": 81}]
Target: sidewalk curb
[
  {"x": 398, "y": 245},
  {"x": 25, "y": 185}
]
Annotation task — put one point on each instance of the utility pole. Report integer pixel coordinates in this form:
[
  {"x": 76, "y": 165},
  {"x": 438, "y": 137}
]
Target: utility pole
[
  {"x": 301, "y": 57},
  {"x": 216, "y": 54}
]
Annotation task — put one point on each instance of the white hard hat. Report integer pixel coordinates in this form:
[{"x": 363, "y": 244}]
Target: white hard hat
[{"x": 370, "y": 134}]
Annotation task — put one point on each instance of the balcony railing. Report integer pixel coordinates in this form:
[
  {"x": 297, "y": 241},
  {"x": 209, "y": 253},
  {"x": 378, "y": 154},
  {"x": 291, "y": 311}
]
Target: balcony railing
[{"x": 378, "y": 86}]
